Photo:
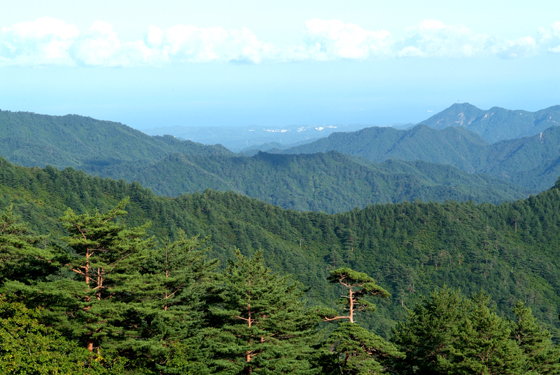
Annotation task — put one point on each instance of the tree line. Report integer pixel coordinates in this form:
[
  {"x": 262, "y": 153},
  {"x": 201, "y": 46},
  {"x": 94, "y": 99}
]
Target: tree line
[
  {"x": 109, "y": 299},
  {"x": 411, "y": 248}
]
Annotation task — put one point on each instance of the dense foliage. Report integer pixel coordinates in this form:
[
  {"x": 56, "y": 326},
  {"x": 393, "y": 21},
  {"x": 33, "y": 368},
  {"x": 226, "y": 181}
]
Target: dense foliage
[
  {"x": 111, "y": 315},
  {"x": 329, "y": 182},
  {"x": 509, "y": 250},
  {"x": 103, "y": 276},
  {"x": 531, "y": 162},
  {"x": 34, "y": 140},
  {"x": 324, "y": 182}
]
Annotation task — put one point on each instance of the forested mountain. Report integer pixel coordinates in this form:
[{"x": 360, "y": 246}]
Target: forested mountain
[
  {"x": 220, "y": 283},
  {"x": 254, "y": 149},
  {"x": 326, "y": 182},
  {"x": 453, "y": 146},
  {"x": 510, "y": 250},
  {"x": 496, "y": 124},
  {"x": 30, "y": 139},
  {"x": 532, "y": 162},
  {"x": 329, "y": 182}
]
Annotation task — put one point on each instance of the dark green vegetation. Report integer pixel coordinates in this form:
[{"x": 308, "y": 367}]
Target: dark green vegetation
[
  {"x": 254, "y": 149},
  {"x": 496, "y": 124},
  {"x": 532, "y": 162},
  {"x": 99, "y": 295},
  {"x": 329, "y": 182},
  {"x": 453, "y": 146},
  {"x": 33, "y": 140},
  {"x": 323, "y": 182},
  {"x": 407, "y": 247}
]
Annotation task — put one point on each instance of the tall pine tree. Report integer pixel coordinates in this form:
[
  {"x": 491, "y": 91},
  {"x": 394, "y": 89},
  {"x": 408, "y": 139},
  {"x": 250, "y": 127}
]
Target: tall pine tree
[
  {"x": 24, "y": 256},
  {"x": 172, "y": 295},
  {"x": 91, "y": 304},
  {"x": 262, "y": 326},
  {"x": 536, "y": 342},
  {"x": 350, "y": 348}
]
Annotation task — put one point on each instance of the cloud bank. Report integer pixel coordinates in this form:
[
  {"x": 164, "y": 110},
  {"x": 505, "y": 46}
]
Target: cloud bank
[{"x": 50, "y": 41}]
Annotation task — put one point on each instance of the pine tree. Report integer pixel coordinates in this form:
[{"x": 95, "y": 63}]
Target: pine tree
[
  {"x": 172, "y": 292},
  {"x": 358, "y": 285},
  {"x": 28, "y": 347},
  {"x": 448, "y": 334},
  {"x": 92, "y": 306},
  {"x": 536, "y": 343},
  {"x": 351, "y": 349},
  {"x": 432, "y": 326},
  {"x": 262, "y": 326},
  {"x": 21, "y": 257},
  {"x": 483, "y": 345}
]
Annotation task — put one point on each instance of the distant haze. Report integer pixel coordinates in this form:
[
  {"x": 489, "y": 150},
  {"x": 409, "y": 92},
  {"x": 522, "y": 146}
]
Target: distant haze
[{"x": 244, "y": 63}]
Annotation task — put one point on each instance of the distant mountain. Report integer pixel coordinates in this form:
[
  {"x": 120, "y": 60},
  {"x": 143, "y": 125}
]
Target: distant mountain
[
  {"x": 532, "y": 162},
  {"x": 254, "y": 149},
  {"x": 238, "y": 138},
  {"x": 329, "y": 182},
  {"x": 453, "y": 146},
  {"x": 510, "y": 251},
  {"x": 30, "y": 139},
  {"x": 496, "y": 124}
]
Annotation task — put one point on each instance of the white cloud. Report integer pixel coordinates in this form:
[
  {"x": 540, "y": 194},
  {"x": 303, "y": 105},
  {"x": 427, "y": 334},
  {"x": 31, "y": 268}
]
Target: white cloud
[
  {"x": 549, "y": 38},
  {"x": 432, "y": 38},
  {"x": 43, "y": 41},
  {"x": 99, "y": 46},
  {"x": 521, "y": 47},
  {"x": 49, "y": 41},
  {"x": 328, "y": 40},
  {"x": 192, "y": 44}
]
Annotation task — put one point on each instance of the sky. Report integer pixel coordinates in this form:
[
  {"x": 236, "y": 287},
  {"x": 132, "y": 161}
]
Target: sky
[{"x": 254, "y": 62}]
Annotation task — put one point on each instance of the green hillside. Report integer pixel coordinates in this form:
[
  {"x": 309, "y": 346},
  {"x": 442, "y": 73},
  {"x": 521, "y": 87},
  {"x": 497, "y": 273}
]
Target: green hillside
[
  {"x": 329, "y": 182},
  {"x": 496, "y": 124},
  {"x": 30, "y": 139},
  {"x": 453, "y": 146},
  {"x": 323, "y": 182},
  {"x": 531, "y": 162},
  {"x": 509, "y": 250}
]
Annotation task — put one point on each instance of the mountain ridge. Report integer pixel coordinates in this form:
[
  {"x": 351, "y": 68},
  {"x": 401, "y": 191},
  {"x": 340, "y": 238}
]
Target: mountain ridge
[
  {"x": 509, "y": 251},
  {"x": 495, "y": 124},
  {"x": 529, "y": 161},
  {"x": 169, "y": 166},
  {"x": 31, "y": 139}
]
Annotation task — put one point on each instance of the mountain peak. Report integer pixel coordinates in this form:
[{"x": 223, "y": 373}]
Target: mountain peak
[
  {"x": 495, "y": 124},
  {"x": 465, "y": 105}
]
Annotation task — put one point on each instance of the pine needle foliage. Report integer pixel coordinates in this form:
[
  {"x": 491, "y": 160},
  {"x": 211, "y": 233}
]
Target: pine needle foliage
[
  {"x": 536, "y": 342},
  {"x": 350, "y": 348},
  {"x": 93, "y": 306},
  {"x": 21, "y": 254},
  {"x": 264, "y": 326},
  {"x": 449, "y": 334},
  {"x": 358, "y": 285},
  {"x": 27, "y": 347},
  {"x": 173, "y": 291}
]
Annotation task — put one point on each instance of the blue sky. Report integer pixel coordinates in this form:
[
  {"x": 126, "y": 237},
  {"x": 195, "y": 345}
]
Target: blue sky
[{"x": 252, "y": 62}]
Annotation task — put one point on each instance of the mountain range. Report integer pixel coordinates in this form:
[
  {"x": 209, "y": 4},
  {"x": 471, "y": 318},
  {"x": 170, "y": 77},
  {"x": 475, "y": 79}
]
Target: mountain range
[
  {"x": 329, "y": 182},
  {"x": 509, "y": 251},
  {"x": 496, "y": 124},
  {"x": 493, "y": 125},
  {"x": 35, "y": 140},
  {"x": 532, "y": 162}
]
